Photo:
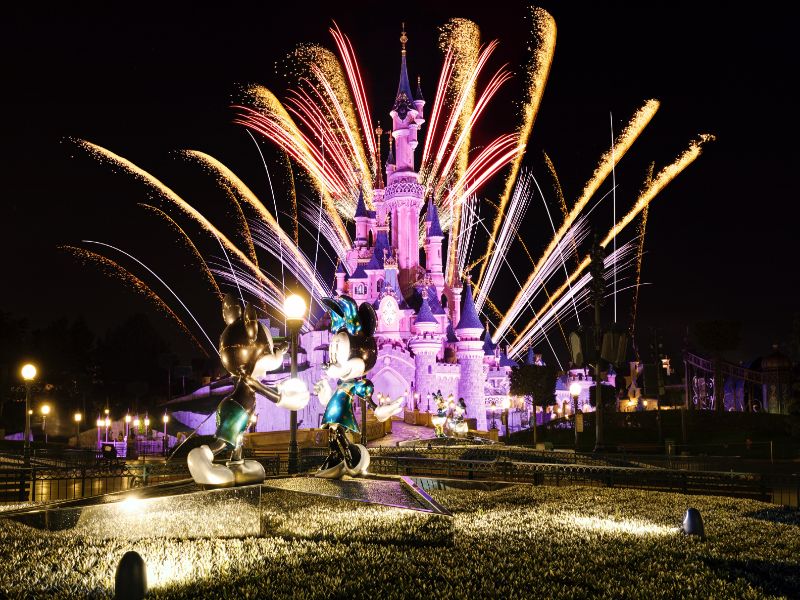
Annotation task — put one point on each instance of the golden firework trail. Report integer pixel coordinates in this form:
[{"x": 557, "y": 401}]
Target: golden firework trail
[
  {"x": 608, "y": 161},
  {"x": 640, "y": 253},
  {"x": 649, "y": 192},
  {"x": 537, "y": 71},
  {"x": 245, "y": 228},
  {"x": 189, "y": 243},
  {"x": 231, "y": 181},
  {"x": 116, "y": 270},
  {"x": 104, "y": 154}
]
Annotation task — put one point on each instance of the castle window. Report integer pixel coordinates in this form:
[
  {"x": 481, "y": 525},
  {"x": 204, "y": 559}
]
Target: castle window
[
  {"x": 361, "y": 289},
  {"x": 379, "y": 286},
  {"x": 430, "y": 369}
]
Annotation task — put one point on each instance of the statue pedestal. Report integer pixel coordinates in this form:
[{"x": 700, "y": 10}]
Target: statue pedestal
[{"x": 380, "y": 509}]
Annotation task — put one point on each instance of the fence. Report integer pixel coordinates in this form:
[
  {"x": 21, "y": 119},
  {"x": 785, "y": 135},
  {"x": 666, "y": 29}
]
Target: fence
[{"x": 46, "y": 482}]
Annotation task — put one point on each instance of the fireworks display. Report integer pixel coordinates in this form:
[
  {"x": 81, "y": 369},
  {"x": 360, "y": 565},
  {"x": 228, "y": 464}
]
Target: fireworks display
[{"x": 327, "y": 135}]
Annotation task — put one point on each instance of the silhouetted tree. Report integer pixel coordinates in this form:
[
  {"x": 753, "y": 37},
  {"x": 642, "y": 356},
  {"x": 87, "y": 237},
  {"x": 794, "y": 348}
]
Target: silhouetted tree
[{"x": 538, "y": 382}]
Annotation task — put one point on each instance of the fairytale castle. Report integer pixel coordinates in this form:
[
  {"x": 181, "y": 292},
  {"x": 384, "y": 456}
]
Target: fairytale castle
[{"x": 429, "y": 334}]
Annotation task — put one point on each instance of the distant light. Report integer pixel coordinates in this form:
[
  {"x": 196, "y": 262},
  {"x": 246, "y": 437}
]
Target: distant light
[
  {"x": 147, "y": 421},
  {"x": 506, "y": 402},
  {"x": 575, "y": 389},
  {"x": 165, "y": 418},
  {"x": 99, "y": 422},
  {"x": 108, "y": 422},
  {"x": 78, "y": 417},
  {"x": 45, "y": 409},
  {"x": 127, "y": 418},
  {"x": 136, "y": 422},
  {"x": 107, "y": 411},
  {"x": 294, "y": 307},
  {"x": 253, "y": 418},
  {"x": 30, "y": 411},
  {"x": 28, "y": 372}
]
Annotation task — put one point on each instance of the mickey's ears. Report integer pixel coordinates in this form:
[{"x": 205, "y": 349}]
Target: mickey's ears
[{"x": 368, "y": 318}]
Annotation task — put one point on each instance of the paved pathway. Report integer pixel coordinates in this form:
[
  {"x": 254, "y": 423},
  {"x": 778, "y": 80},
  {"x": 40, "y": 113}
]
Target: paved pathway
[{"x": 402, "y": 431}]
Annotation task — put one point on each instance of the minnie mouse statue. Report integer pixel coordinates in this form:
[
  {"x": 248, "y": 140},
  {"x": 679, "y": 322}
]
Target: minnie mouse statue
[
  {"x": 352, "y": 353},
  {"x": 247, "y": 352}
]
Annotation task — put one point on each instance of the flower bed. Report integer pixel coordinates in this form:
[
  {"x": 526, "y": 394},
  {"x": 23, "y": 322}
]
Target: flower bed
[{"x": 515, "y": 542}]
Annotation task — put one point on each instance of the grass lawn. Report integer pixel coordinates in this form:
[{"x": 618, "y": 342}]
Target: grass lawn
[{"x": 519, "y": 542}]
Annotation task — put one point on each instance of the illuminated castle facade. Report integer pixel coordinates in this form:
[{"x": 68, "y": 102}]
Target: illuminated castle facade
[{"x": 429, "y": 335}]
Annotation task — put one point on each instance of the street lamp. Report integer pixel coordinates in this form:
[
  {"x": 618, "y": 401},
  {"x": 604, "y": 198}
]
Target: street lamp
[
  {"x": 294, "y": 309},
  {"x": 99, "y": 426},
  {"x": 146, "y": 424},
  {"x": 107, "y": 423},
  {"x": 165, "y": 420},
  {"x": 78, "y": 417},
  {"x": 136, "y": 423},
  {"x": 127, "y": 425},
  {"x": 45, "y": 410},
  {"x": 575, "y": 391},
  {"x": 28, "y": 374}
]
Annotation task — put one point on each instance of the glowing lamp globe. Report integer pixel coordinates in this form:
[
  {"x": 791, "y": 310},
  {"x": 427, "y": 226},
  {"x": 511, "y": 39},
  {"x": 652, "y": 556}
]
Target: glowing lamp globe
[
  {"x": 45, "y": 409},
  {"x": 165, "y": 418},
  {"x": 575, "y": 389},
  {"x": 78, "y": 417},
  {"x": 99, "y": 422},
  {"x": 294, "y": 307},
  {"x": 28, "y": 372},
  {"x": 108, "y": 422},
  {"x": 127, "y": 418},
  {"x": 147, "y": 422}
]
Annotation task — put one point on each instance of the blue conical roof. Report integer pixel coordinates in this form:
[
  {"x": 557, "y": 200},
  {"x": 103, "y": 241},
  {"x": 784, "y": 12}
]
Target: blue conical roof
[
  {"x": 425, "y": 315},
  {"x": 432, "y": 216},
  {"x": 469, "y": 315},
  {"x": 529, "y": 360},
  {"x": 359, "y": 273},
  {"x": 361, "y": 207},
  {"x": 488, "y": 346},
  {"x": 340, "y": 268},
  {"x": 404, "y": 99},
  {"x": 505, "y": 361}
]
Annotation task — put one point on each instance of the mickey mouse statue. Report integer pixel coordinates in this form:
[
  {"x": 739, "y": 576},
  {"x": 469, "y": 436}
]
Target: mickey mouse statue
[
  {"x": 247, "y": 352},
  {"x": 352, "y": 353}
]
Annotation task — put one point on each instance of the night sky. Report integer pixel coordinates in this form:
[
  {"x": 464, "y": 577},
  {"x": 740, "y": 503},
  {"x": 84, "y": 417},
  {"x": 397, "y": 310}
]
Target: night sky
[{"x": 145, "y": 83}]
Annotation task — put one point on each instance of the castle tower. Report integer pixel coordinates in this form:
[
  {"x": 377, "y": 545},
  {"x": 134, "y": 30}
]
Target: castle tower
[
  {"x": 470, "y": 357},
  {"x": 362, "y": 220},
  {"x": 433, "y": 246},
  {"x": 404, "y": 196},
  {"x": 341, "y": 273},
  {"x": 425, "y": 345}
]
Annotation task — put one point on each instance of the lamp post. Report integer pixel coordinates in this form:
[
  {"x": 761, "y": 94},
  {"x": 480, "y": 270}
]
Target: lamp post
[
  {"x": 294, "y": 309},
  {"x": 127, "y": 426},
  {"x": 107, "y": 423},
  {"x": 575, "y": 392},
  {"x": 99, "y": 425},
  {"x": 165, "y": 419},
  {"x": 45, "y": 410},
  {"x": 136, "y": 423},
  {"x": 78, "y": 417},
  {"x": 28, "y": 374},
  {"x": 146, "y": 424}
]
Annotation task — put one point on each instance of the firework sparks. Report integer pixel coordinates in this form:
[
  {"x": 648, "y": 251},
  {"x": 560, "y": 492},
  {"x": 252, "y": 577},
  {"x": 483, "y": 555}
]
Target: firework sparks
[
  {"x": 537, "y": 70},
  {"x": 607, "y": 162},
  {"x": 650, "y": 191}
]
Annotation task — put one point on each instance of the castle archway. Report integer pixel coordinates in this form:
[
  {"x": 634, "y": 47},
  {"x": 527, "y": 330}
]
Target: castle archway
[{"x": 390, "y": 383}]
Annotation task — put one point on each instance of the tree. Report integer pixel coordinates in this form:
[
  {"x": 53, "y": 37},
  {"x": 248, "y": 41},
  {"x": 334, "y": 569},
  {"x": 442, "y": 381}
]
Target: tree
[
  {"x": 538, "y": 382},
  {"x": 716, "y": 338}
]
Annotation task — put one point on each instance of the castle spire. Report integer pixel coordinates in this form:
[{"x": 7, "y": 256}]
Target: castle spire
[
  {"x": 469, "y": 314},
  {"x": 361, "y": 207},
  {"x": 432, "y": 219},
  {"x": 378, "y": 167},
  {"x": 404, "y": 100}
]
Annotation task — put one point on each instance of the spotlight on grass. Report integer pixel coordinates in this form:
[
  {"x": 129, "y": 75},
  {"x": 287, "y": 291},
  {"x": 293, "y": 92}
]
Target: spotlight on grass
[
  {"x": 693, "y": 524},
  {"x": 130, "y": 582}
]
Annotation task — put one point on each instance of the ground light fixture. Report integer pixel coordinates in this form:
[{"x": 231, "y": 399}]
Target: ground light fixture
[
  {"x": 693, "y": 524},
  {"x": 130, "y": 581}
]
